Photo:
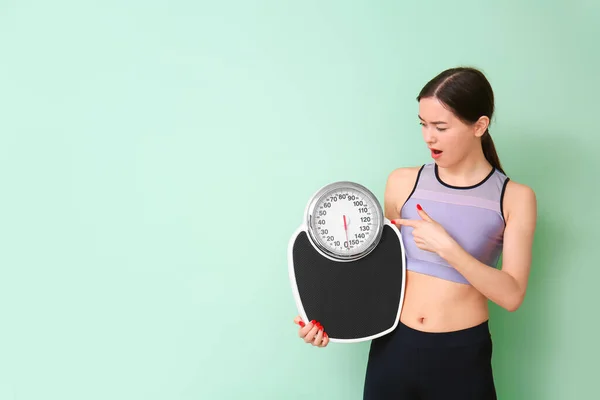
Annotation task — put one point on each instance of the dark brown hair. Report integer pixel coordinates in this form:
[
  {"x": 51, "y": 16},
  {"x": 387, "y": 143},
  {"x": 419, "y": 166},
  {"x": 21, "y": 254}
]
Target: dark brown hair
[{"x": 469, "y": 95}]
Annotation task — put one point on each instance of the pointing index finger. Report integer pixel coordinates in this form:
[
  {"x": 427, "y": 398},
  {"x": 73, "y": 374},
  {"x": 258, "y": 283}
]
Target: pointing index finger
[{"x": 407, "y": 222}]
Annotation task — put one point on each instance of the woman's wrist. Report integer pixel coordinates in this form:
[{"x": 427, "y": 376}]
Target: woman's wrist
[{"x": 450, "y": 250}]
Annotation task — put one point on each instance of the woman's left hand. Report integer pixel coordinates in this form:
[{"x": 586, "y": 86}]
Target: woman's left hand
[{"x": 428, "y": 234}]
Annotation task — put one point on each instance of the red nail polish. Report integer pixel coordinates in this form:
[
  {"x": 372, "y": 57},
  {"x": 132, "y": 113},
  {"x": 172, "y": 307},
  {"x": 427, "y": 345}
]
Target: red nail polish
[
  {"x": 393, "y": 221},
  {"x": 313, "y": 322},
  {"x": 419, "y": 207},
  {"x": 302, "y": 324}
]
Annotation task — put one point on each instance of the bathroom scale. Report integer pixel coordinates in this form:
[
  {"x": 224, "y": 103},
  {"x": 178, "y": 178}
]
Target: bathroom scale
[{"x": 347, "y": 265}]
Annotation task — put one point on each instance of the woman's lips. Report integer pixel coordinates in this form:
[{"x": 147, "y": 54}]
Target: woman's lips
[{"x": 436, "y": 153}]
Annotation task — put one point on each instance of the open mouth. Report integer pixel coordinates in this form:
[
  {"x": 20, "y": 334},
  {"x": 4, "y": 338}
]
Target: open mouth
[{"x": 435, "y": 153}]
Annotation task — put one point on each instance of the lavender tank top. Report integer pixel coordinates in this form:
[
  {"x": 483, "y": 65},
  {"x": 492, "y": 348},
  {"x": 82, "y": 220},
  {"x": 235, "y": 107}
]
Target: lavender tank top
[{"x": 471, "y": 215}]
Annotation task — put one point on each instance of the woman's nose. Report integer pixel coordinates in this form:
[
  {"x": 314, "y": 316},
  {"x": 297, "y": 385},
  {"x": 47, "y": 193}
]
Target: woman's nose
[{"x": 428, "y": 135}]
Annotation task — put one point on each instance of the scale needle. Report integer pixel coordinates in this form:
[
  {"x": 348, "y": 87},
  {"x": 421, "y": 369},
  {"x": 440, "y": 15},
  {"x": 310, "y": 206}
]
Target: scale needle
[{"x": 346, "y": 229}]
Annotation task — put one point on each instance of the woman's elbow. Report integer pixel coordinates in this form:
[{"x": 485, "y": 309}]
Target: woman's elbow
[{"x": 513, "y": 303}]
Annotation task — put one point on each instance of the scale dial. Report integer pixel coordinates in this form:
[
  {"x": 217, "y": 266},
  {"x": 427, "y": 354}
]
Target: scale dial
[{"x": 345, "y": 221}]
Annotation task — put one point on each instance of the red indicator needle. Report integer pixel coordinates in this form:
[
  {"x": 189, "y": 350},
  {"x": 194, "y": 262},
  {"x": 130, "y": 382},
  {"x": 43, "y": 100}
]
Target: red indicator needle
[{"x": 346, "y": 229}]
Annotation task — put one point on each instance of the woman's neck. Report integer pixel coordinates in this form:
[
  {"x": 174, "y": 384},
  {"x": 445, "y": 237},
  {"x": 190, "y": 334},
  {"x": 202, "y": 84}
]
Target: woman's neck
[{"x": 469, "y": 171}]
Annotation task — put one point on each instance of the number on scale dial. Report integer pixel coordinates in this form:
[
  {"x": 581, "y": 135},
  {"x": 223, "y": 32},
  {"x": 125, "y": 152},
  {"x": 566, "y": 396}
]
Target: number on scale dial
[{"x": 346, "y": 220}]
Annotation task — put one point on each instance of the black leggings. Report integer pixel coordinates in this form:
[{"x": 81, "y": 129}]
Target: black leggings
[{"x": 408, "y": 364}]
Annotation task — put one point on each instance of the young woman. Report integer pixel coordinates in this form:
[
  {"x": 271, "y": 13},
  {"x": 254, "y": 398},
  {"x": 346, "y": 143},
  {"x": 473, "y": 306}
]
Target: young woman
[{"x": 457, "y": 215}]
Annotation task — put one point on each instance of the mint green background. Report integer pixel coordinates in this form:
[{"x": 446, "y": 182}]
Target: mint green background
[{"x": 156, "y": 157}]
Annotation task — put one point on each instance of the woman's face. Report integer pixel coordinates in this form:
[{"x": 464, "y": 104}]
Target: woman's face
[{"x": 449, "y": 139}]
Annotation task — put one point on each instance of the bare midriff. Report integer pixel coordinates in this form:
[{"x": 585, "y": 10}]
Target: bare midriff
[{"x": 435, "y": 305}]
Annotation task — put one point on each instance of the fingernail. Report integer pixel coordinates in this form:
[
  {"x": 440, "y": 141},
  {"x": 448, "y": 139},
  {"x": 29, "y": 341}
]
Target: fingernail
[
  {"x": 419, "y": 207},
  {"x": 393, "y": 221},
  {"x": 302, "y": 324},
  {"x": 325, "y": 334},
  {"x": 313, "y": 322}
]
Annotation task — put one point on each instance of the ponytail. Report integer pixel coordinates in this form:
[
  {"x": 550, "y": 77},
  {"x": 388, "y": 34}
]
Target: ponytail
[{"x": 489, "y": 151}]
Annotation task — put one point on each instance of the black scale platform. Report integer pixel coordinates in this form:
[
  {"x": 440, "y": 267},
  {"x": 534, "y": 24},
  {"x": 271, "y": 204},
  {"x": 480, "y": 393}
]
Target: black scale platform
[{"x": 354, "y": 301}]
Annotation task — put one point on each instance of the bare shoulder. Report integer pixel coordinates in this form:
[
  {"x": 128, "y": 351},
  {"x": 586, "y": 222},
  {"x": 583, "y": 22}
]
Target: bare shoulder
[
  {"x": 400, "y": 183},
  {"x": 403, "y": 173},
  {"x": 520, "y": 202},
  {"x": 400, "y": 179}
]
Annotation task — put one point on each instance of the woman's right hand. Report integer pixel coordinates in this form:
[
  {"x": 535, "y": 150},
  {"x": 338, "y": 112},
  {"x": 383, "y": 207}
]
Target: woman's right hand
[{"x": 312, "y": 332}]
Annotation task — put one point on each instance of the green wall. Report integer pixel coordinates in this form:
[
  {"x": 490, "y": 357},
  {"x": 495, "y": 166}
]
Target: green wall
[{"x": 156, "y": 156}]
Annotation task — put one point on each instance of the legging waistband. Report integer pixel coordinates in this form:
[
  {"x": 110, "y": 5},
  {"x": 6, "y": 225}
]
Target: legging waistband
[{"x": 463, "y": 337}]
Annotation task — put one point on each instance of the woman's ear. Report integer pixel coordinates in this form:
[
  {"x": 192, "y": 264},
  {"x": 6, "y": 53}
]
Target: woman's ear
[{"x": 481, "y": 126}]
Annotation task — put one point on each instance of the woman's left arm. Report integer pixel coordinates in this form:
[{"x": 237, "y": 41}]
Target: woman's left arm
[{"x": 506, "y": 286}]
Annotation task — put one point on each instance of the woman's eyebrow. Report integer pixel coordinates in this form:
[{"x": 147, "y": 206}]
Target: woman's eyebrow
[{"x": 434, "y": 122}]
